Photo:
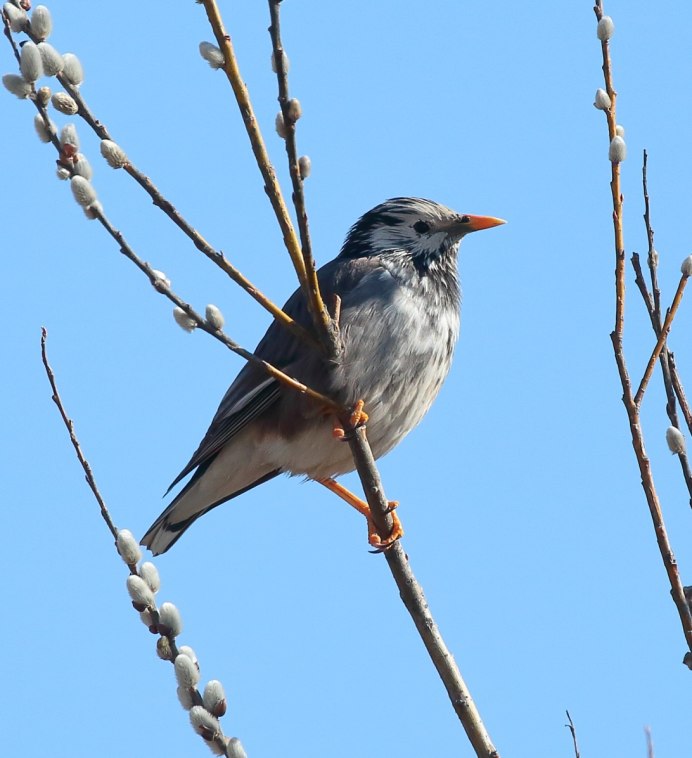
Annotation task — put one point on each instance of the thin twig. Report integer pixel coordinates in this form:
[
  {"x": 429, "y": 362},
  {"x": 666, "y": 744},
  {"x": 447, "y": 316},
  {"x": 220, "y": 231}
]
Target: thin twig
[
  {"x": 69, "y": 425},
  {"x": 665, "y": 329},
  {"x": 652, "y": 256},
  {"x": 631, "y": 407},
  {"x": 680, "y": 392},
  {"x": 649, "y": 742},
  {"x": 573, "y": 732},
  {"x": 329, "y": 326}
]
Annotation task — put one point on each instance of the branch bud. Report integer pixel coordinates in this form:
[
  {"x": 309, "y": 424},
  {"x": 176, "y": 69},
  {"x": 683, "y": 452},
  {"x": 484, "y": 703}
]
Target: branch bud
[
  {"x": 214, "y": 698},
  {"x": 186, "y": 673},
  {"x": 142, "y": 596},
  {"x": 184, "y": 321},
  {"x": 73, "y": 70},
  {"x": 602, "y": 100},
  {"x": 279, "y": 123},
  {"x": 617, "y": 151},
  {"x": 304, "y": 166},
  {"x": 211, "y": 54},
  {"x": 114, "y": 154},
  {"x": 284, "y": 59},
  {"x": 128, "y": 547},
  {"x": 51, "y": 59},
  {"x": 83, "y": 191},
  {"x": 17, "y": 85},
  {"x": 686, "y": 267},
  {"x": 16, "y": 16},
  {"x": 41, "y": 23},
  {"x": 203, "y": 722},
  {"x": 64, "y": 103},
  {"x": 214, "y": 317},
  {"x": 235, "y": 749},
  {"x": 170, "y": 621},
  {"x": 294, "y": 110},
  {"x": 605, "y": 28},
  {"x": 43, "y": 134},
  {"x": 675, "y": 440},
  {"x": 30, "y": 63}
]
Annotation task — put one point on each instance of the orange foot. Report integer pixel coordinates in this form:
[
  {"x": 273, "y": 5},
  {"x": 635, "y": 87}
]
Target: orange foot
[
  {"x": 361, "y": 506},
  {"x": 358, "y": 417}
]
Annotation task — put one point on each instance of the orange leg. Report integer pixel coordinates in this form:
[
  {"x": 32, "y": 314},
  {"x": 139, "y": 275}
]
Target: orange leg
[
  {"x": 362, "y": 507},
  {"x": 358, "y": 417}
]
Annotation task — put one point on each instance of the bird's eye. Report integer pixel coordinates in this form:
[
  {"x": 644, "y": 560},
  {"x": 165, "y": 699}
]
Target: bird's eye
[
  {"x": 421, "y": 227},
  {"x": 465, "y": 219}
]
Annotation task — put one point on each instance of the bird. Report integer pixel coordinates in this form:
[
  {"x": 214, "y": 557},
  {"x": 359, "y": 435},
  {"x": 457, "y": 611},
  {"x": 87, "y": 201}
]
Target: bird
[{"x": 397, "y": 281}]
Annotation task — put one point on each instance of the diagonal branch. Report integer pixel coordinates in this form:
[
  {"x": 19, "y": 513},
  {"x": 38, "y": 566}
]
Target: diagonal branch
[{"x": 665, "y": 329}]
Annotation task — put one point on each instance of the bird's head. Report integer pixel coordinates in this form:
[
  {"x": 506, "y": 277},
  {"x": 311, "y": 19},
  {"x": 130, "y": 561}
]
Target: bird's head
[{"x": 402, "y": 228}]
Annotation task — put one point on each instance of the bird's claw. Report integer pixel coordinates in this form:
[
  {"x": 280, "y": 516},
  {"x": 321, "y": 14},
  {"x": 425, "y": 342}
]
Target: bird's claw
[
  {"x": 396, "y": 533},
  {"x": 357, "y": 418}
]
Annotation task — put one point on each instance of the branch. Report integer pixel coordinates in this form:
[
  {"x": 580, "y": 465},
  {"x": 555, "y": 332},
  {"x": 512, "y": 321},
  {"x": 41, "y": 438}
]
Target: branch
[
  {"x": 631, "y": 407},
  {"x": 69, "y": 425},
  {"x": 143, "y": 584},
  {"x": 413, "y": 598},
  {"x": 329, "y": 326},
  {"x": 665, "y": 329},
  {"x": 573, "y": 732}
]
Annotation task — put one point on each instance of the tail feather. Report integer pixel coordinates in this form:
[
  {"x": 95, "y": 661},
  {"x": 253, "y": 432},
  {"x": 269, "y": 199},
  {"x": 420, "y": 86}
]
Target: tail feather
[{"x": 185, "y": 509}]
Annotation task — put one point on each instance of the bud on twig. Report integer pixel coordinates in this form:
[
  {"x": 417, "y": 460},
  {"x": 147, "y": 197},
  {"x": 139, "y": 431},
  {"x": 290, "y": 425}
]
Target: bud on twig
[
  {"x": 39, "y": 124},
  {"x": 294, "y": 110},
  {"x": 203, "y": 722},
  {"x": 186, "y": 323},
  {"x": 284, "y": 60},
  {"x": 64, "y": 103},
  {"x": 83, "y": 191},
  {"x": 214, "y": 698},
  {"x": 30, "y": 62},
  {"x": 150, "y": 574},
  {"x": 602, "y": 100},
  {"x": 82, "y": 167},
  {"x": 127, "y": 547},
  {"x": 16, "y": 16},
  {"x": 170, "y": 621},
  {"x": 68, "y": 136},
  {"x": 211, "y": 54},
  {"x": 17, "y": 85},
  {"x": 675, "y": 440},
  {"x": 186, "y": 673},
  {"x": 235, "y": 749},
  {"x": 214, "y": 317},
  {"x": 73, "y": 70},
  {"x": 41, "y": 22},
  {"x": 43, "y": 96},
  {"x": 605, "y": 28},
  {"x": 114, "y": 154},
  {"x": 142, "y": 596},
  {"x": 686, "y": 267},
  {"x": 51, "y": 59},
  {"x": 279, "y": 125},
  {"x": 304, "y": 166},
  {"x": 618, "y": 150}
]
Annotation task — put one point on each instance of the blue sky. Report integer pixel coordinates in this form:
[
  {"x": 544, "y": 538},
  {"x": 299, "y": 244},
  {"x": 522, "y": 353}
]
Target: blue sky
[{"x": 525, "y": 521}]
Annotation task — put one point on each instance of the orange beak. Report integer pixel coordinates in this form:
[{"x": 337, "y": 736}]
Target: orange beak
[{"x": 476, "y": 223}]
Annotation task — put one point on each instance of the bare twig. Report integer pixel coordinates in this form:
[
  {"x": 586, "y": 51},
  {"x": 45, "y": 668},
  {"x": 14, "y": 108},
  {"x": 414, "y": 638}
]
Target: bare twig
[
  {"x": 649, "y": 742},
  {"x": 573, "y": 732},
  {"x": 652, "y": 257},
  {"x": 631, "y": 406},
  {"x": 329, "y": 326},
  {"x": 69, "y": 425}
]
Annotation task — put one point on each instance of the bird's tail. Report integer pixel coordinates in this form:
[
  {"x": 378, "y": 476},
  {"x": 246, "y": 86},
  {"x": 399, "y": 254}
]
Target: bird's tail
[{"x": 185, "y": 509}]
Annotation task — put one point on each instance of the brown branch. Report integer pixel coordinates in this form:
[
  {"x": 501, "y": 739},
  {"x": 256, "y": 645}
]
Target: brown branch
[
  {"x": 413, "y": 598},
  {"x": 329, "y": 327},
  {"x": 69, "y": 425},
  {"x": 573, "y": 732},
  {"x": 652, "y": 256},
  {"x": 271, "y": 184},
  {"x": 631, "y": 406},
  {"x": 680, "y": 392},
  {"x": 665, "y": 329}
]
